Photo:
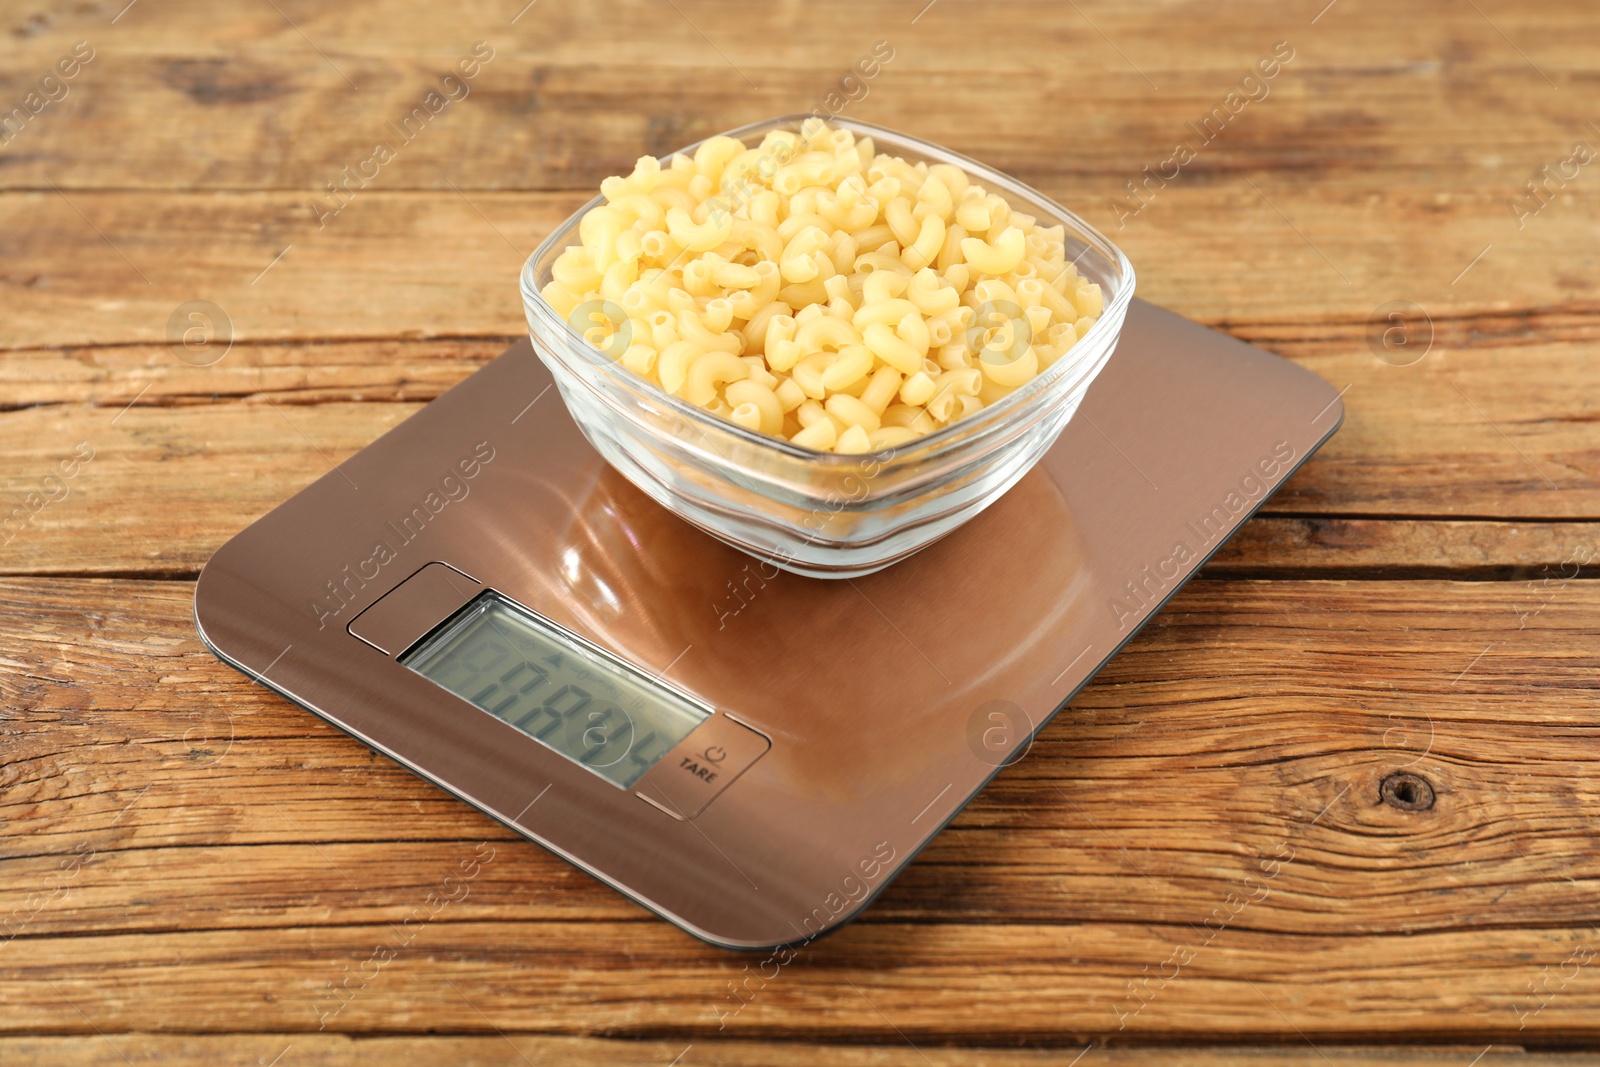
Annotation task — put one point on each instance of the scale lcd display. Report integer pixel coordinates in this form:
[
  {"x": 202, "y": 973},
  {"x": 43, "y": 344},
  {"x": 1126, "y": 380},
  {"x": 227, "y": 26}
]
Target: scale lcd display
[{"x": 555, "y": 687}]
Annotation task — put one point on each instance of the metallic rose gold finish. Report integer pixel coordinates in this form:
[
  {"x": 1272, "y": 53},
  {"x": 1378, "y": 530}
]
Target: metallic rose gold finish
[
  {"x": 414, "y": 607},
  {"x": 701, "y": 766},
  {"x": 869, "y": 690}
]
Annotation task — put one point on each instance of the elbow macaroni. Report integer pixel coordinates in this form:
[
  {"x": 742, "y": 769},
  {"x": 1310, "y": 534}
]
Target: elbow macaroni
[{"x": 816, "y": 290}]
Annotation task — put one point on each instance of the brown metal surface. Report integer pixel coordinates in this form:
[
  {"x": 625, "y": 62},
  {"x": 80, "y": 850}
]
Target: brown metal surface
[
  {"x": 413, "y": 608},
  {"x": 703, "y": 764},
  {"x": 881, "y": 696}
]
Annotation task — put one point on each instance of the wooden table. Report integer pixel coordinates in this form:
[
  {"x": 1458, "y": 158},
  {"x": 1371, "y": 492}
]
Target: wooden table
[{"x": 190, "y": 865}]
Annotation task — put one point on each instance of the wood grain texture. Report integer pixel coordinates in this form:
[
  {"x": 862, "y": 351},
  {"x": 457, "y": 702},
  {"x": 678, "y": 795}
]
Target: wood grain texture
[
  {"x": 1042, "y": 90},
  {"x": 1538, "y": 554},
  {"x": 522, "y": 1050},
  {"x": 1487, "y": 432},
  {"x": 444, "y": 264},
  {"x": 234, "y": 852},
  {"x": 187, "y": 862}
]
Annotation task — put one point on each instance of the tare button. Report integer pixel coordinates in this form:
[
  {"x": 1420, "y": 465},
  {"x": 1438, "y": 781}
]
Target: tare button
[{"x": 703, "y": 765}]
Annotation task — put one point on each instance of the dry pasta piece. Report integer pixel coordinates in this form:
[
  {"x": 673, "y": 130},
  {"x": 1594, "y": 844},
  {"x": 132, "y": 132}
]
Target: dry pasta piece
[
  {"x": 1001, "y": 257},
  {"x": 710, "y": 370},
  {"x": 1010, "y": 373},
  {"x": 881, "y": 390},
  {"x": 852, "y": 411},
  {"x": 853, "y": 441},
  {"x": 762, "y": 399}
]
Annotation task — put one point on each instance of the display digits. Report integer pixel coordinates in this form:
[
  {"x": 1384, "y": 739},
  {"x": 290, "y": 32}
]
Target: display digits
[{"x": 526, "y": 671}]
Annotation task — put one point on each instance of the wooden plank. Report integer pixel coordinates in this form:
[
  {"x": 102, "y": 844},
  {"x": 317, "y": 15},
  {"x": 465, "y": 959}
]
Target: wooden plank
[
  {"x": 1251, "y": 722},
  {"x": 1043, "y": 94},
  {"x": 1471, "y": 433},
  {"x": 393, "y": 265},
  {"x": 112, "y": 267},
  {"x": 304, "y": 373},
  {"x": 253, "y": 456},
  {"x": 68, "y": 651},
  {"x": 222, "y": 467},
  {"x": 1539, "y": 554},
  {"x": 219, "y": 466},
  {"x": 519, "y": 1050},
  {"x": 932, "y": 986}
]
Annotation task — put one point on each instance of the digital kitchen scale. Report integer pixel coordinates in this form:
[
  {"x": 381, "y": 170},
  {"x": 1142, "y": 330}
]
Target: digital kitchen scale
[{"x": 748, "y": 753}]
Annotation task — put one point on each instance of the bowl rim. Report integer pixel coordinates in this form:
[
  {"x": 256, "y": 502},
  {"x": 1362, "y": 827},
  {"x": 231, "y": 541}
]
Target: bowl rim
[{"x": 922, "y": 448}]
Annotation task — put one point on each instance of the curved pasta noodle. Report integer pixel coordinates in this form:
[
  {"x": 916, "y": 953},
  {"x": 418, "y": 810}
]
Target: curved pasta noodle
[
  {"x": 849, "y": 209},
  {"x": 789, "y": 394},
  {"x": 841, "y": 251},
  {"x": 883, "y": 285},
  {"x": 692, "y": 327},
  {"x": 727, "y": 274},
  {"x": 1088, "y": 300},
  {"x": 672, "y": 197},
  {"x": 854, "y": 364},
  {"x": 928, "y": 291},
  {"x": 918, "y": 389},
  {"x": 757, "y": 238},
  {"x": 709, "y": 370},
  {"x": 1001, "y": 257},
  {"x": 659, "y": 245},
  {"x": 618, "y": 279},
  {"x": 1013, "y": 373},
  {"x": 886, "y": 312},
  {"x": 561, "y": 299},
  {"x": 804, "y": 294},
  {"x": 853, "y": 441},
  {"x": 758, "y": 322},
  {"x": 715, "y": 154},
  {"x": 826, "y": 332},
  {"x": 783, "y": 354},
  {"x": 887, "y": 257},
  {"x": 663, "y": 328},
  {"x": 913, "y": 417},
  {"x": 851, "y": 411},
  {"x": 672, "y": 365},
  {"x": 841, "y": 298},
  {"x": 697, "y": 279},
  {"x": 797, "y": 262},
  {"x": 819, "y": 435},
  {"x": 936, "y": 197},
  {"x": 897, "y": 213},
  {"x": 808, "y": 374},
  {"x": 641, "y": 210},
  {"x": 890, "y": 437},
  {"x": 972, "y": 212},
  {"x": 641, "y": 359},
  {"x": 889, "y": 347},
  {"x": 697, "y": 236},
  {"x": 575, "y": 270},
  {"x": 759, "y": 396},
  {"x": 925, "y": 247},
  {"x": 810, "y": 169},
  {"x": 746, "y": 415},
  {"x": 599, "y": 231},
  {"x": 881, "y": 390}
]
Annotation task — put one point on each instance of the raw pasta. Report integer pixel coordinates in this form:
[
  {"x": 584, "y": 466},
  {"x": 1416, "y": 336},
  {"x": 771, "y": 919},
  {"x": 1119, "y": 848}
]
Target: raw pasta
[{"x": 815, "y": 290}]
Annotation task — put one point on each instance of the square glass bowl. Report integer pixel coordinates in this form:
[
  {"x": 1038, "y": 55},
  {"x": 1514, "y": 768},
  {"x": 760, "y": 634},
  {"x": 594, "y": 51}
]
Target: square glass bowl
[{"x": 819, "y": 513}]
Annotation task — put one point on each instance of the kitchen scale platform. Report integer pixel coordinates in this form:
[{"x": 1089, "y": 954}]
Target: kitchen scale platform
[{"x": 751, "y": 754}]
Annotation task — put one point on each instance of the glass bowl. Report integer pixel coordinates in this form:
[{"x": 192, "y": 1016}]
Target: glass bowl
[{"x": 824, "y": 514}]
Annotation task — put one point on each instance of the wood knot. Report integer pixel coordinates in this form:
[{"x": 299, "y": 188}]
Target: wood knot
[{"x": 1406, "y": 791}]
